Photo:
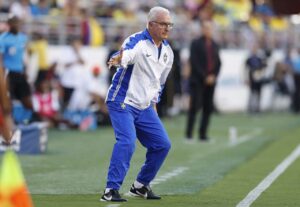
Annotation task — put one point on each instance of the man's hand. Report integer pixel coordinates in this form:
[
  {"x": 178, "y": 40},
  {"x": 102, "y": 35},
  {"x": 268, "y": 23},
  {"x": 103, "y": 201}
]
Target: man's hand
[
  {"x": 210, "y": 79},
  {"x": 115, "y": 60}
]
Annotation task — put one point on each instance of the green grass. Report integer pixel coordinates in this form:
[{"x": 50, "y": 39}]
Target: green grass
[
  {"x": 73, "y": 171},
  {"x": 237, "y": 184}
]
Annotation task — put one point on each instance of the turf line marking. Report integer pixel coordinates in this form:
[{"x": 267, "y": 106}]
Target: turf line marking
[
  {"x": 168, "y": 175},
  {"x": 263, "y": 185},
  {"x": 246, "y": 137},
  {"x": 113, "y": 205}
]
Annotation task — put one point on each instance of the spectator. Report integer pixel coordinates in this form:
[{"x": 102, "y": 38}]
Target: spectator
[
  {"x": 40, "y": 9},
  {"x": 91, "y": 31},
  {"x": 283, "y": 79},
  {"x": 39, "y": 46},
  {"x": 4, "y": 6},
  {"x": 87, "y": 91},
  {"x": 283, "y": 84},
  {"x": 71, "y": 8},
  {"x": 70, "y": 77},
  {"x": 255, "y": 66},
  {"x": 21, "y": 9},
  {"x": 46, "y": 102}
]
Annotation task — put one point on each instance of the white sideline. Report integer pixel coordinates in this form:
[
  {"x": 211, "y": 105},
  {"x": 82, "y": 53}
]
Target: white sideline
[
  {"x": 263, "y": 185},
  {"x": 168, "y": 175}
]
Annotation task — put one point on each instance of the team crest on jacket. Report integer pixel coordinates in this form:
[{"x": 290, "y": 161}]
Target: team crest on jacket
[
  {"x": 123, "y": 106},
  {"x": 165, "y": 57}
]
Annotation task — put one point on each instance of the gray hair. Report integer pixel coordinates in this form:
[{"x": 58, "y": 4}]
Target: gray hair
[{"x": 153, "y": 13}]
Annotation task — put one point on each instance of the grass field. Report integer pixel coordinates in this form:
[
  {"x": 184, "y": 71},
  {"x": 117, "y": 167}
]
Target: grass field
[{"x": 220, "y": 173}]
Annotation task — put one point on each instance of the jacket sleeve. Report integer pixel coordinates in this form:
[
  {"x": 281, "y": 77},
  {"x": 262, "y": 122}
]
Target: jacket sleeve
[{"x": 130, "y": 50}]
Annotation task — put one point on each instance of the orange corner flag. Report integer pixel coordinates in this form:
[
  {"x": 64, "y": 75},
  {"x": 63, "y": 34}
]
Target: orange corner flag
[{"x": 13, "y": 190}]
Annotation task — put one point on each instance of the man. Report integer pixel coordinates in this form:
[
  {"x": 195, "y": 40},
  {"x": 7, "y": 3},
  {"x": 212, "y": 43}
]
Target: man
[
  {"x": 205, "y": 66},
  {"x": 73, "y": 67},
  {"x": 39, "y": 46},
  {"x": 255, "y": 66},
  {"x": 12, "y": 48},
  {"x": 145, "y": 61}
]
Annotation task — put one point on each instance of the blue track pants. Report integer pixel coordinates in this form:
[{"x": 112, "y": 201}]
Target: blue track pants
[{"x": 130, "y": 123}]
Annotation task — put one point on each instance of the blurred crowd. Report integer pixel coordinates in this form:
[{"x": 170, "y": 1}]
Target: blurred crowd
[
  {"x": 239, "y": 22},
  {"x": 71, "y": 98}
]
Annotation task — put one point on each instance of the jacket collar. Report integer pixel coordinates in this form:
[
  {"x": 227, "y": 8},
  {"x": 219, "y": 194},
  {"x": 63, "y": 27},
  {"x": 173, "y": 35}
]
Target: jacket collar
[{"x": 147, "y": 34}]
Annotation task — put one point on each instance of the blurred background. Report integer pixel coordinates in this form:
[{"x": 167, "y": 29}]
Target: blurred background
[{"x": 100, "y": 26}]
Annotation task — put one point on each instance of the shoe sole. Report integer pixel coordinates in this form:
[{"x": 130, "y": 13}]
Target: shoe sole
[{"x": 103, "y": 200}]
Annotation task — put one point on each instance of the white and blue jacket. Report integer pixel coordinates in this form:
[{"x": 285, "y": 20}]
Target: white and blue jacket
[{"x": 143, "y": 72}]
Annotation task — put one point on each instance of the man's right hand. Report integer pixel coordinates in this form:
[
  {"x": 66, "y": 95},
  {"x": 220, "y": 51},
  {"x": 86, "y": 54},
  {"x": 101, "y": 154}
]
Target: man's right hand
[{"x": 115, "y": 60}]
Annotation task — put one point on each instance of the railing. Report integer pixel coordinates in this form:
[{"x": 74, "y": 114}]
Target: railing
[{"x": 59, "y": 29}]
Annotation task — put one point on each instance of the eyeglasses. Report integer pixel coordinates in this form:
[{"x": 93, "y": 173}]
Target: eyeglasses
[{"x": 164, "y": 24}]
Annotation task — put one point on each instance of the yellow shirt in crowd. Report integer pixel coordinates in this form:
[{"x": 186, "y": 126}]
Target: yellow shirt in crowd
[{"x": 39, "y": 47}]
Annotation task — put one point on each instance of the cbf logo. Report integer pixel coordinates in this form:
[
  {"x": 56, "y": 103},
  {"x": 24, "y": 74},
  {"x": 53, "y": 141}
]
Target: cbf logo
[
  {"x": 165, "y": 57},
  {"x": 123, "y": 106}
]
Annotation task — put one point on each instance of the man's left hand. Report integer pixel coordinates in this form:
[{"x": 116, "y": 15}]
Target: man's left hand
[{"x": 210, "y": 80}]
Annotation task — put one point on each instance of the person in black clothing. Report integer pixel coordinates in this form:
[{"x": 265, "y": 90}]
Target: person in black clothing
[
  {"x": 205, "y": 66},
  {"x": 255, "y": 64}
]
